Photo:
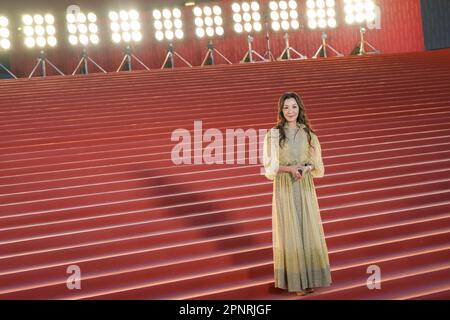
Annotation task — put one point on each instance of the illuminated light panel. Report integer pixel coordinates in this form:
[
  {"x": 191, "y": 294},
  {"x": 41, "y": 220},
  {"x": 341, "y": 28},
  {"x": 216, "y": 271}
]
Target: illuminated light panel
[
  {"x": 125, "y": 26},
  {"x": 359, "y": 11},
  {"x": 284, "y": 15},
  {"x": 246, "y": 17},
  {"x": 321, "y": 14},
  {"x": 39, "y": 30},
  {"x": 5, "y": 43},
  {"x": 82, "y": 28},
  {"x": 208, "y": 21},
  {"x": 168, "y": 24}
]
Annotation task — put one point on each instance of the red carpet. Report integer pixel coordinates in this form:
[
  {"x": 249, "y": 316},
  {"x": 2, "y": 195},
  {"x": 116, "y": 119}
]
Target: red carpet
[{"x": 86, "y": 179}]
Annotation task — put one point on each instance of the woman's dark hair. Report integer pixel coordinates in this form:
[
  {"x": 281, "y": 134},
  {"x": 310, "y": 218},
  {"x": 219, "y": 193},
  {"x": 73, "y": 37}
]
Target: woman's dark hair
[{"x": 302, "y": 118}]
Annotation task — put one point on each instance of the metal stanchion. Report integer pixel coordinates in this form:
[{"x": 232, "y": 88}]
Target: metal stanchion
[
  {"x": 43, "y": 61},
  {"x": 286, "y": 54},
  {"x": 363, "y": 43},
  {"x": 323, "y": 48},
  {"x": 128, "y": 57},
  {"x": 250, "y": 52},
  {"x": 210, "y": 54},
  {"x": 170, "y": 55},
  {"x": 84, "y": 61}
]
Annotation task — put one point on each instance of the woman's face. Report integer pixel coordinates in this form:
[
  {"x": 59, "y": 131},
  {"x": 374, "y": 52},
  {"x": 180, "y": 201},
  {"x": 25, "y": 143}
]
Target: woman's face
[{"x": 290, "y": 110}]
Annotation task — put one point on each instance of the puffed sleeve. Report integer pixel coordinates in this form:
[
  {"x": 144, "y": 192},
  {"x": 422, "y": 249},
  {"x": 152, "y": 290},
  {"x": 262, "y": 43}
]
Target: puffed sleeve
[
  {"x": 270, "y": 154},
  {"x": 316, "y": 158}
]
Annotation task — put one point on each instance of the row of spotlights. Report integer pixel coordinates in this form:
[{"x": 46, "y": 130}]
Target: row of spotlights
[
  {"x": 123, "y": 15},
  {"x": 167, "y": 14},
  {"x": 38, "y": 19},
  {"x": 245, "y": 7},
  {"x": 5, "y": 43},
  {"x": 207, "y": 11},
  {"x": 40, "y": 31},
  {"x": 282, "y": 5}
]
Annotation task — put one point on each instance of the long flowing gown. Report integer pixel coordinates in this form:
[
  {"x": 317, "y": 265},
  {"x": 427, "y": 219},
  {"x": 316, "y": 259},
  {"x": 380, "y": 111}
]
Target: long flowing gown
[{"x": 299, "y": 247}]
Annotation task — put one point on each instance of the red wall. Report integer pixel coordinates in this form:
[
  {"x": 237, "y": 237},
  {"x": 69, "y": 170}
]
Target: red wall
[{"x": 401, "y": 32}]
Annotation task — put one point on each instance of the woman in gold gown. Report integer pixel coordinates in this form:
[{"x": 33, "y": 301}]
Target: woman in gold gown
[{"x": 292, "y": 158}]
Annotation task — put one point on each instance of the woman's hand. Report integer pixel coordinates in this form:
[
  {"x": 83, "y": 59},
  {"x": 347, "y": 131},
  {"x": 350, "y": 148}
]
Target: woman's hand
[
  {"x": 307, "y": 168},
  {"x": 296, "y": 174},
  {"x": 299, "y": 171}
]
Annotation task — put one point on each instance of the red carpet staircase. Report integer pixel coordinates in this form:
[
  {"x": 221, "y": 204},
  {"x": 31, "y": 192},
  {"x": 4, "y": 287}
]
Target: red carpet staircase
[{"x": 86, "y": 179}]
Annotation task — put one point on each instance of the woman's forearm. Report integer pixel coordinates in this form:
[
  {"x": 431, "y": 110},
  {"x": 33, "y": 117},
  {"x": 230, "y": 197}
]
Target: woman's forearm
[
  {"x": 288, "y": 169},
  {"x": 284, "y": 169}
]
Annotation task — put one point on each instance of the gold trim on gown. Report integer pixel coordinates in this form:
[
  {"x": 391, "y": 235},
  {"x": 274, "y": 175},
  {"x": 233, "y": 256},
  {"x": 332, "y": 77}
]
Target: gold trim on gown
[{"x": 299, "y": 247}]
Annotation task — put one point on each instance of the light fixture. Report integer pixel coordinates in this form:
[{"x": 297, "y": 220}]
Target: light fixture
[
  {"x": 82, "y": 28},
  {"x": 125, "y": 28},
  {"x": 208, "y": 21},
  {"x": 247, "y": 18},
  {"x": 83, "y": 31},
  {"x": 5, "y": 43},
  {"x": 209, "y": 24},
  {"x": 360, "y": 12},
  {"x": 168, "y": 26},
  {"x": 321, "y": 14},
  {"x": 284, "y": 17},
  {"x": 40, "y": 32}
]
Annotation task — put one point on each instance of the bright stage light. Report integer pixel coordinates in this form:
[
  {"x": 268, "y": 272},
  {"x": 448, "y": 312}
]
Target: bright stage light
[
  {"x": 359, "y": 11},
  {"x": 208, "y": 21},
  {"x": 246, "y": 17},
  {"x": 5, "y": 43},
  {"x": 39, "y": 30},
  {"x": 321, "y": 14},
  {"x": 168, "y": 24},
  {"x": 284, "y": 15},
  {"x": 82, "y": 29},
  {"x": 125, "y": 26}
]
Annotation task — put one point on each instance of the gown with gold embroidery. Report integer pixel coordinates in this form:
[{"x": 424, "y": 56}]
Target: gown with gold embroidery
[{"x": 299, "y": 247}]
